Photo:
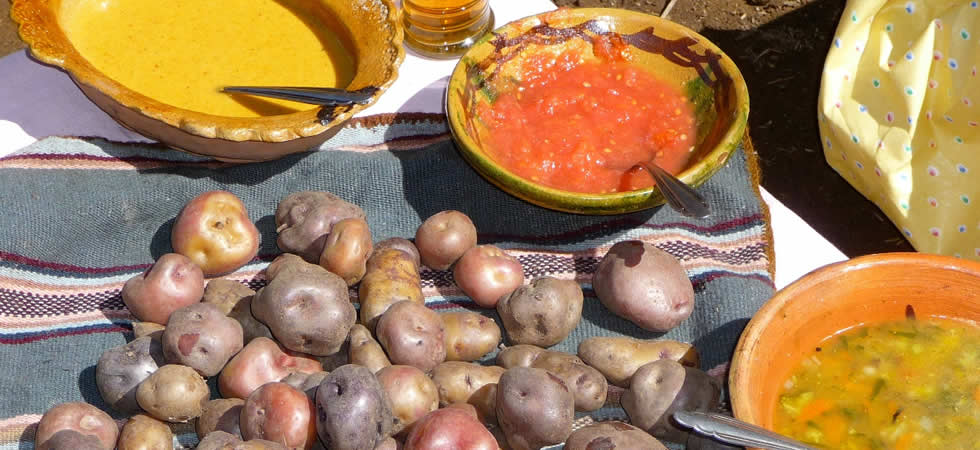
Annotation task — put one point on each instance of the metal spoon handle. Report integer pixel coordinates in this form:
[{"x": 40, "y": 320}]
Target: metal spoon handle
[
  {"x": 313, "y": 95},
  {"x": 683, "y": 198},
  {"x": 736, "y": 432}
]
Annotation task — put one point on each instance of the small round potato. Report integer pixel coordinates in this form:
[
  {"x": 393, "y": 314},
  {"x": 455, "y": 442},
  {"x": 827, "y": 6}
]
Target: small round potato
[
  {"x": 72, "y": 440},
  {"x": 225, "y": 294},
  {"x": 347, "y": 248},
  {"x": 618, "y": 358},
  {"x": 145, "y": 433},
  {"x": 80, "y": 417},
  {"x": 402, "y": 244},
  {"x": 288, "y": 263},
  {"x": 201, "y": 337},
  {"x": 352, "y": 410},
  {"x": 469, "y": 335},
  {"x": 171, "y": 283},
  {"x": 587, "y": 385},
  {"x": 278, "y": 412},
  {"x": 541, "y": 313},
  {"x": 151, "y": 329},
  {"x": 449, "y": 428},
  {"x": 465, "y": 382},
  {"x": 219, "y": 440},
  {"x": 522, "y": 355},
  {"x": 304, "y": 219},
  {"x": 444, "y": 237},
  {"x": 412, "y": 335},
  {"x": 611, "y": 435},
  {"x": 663, "y": 387},
  {"x": 486, "y": 273},
  {"x": 173, "y": 393},
  {"x": 251, "y": 327},
  {"x": 214, "y": 230},
  {"x": 261, "y": 361},
  {"x": 222, "y": 414},
  {"x": 121, "y": 369},
  {"x": 411, "y": 392},
  {"x": 534, "y": 408},
  {"x": 365, "y": 351}
]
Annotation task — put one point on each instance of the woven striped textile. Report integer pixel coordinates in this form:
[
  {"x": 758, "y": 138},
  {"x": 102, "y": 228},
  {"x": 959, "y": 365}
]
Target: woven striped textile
[{"x": 81, "y": 216}]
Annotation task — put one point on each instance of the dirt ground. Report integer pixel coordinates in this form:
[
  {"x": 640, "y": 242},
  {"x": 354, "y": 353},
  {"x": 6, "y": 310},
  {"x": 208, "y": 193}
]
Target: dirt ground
[{"x": 779, "y": 45}]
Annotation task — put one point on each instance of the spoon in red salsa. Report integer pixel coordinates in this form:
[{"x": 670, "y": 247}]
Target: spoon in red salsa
[{"x": 679, "y": 195}]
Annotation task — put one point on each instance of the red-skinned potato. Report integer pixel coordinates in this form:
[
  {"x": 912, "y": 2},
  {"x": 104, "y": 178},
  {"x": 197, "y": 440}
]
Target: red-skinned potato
[
  {"x": 469, "y": 335},
  {"x": 486, "y": 273},
  {"x": 80, "y": 417},
  {"x": 304, "y": 219},
  {"x": 201, "y": 337},
  {"x": 214, "y": 231},
  {"x": 145, "y": 433},
  {"x": 444, "y": 237},
  {"x": 260, "y": 362},
  {"x": 412, "y": 335},
  {"x": 411, "y": 392},
  {"x": 449, "y": 428},
  {"x": 222, "y": 414},
  {"x": 278, "y": 412},
  {"x": 171, "y": 283},
  {"x": 347, "y": 249}
]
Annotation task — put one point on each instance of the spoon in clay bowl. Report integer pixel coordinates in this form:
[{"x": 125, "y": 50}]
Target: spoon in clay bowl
[
  {"x": 311, "y": 95},
  {"x": 679, "y": 195},
  {"x": 736, "y": 432}
]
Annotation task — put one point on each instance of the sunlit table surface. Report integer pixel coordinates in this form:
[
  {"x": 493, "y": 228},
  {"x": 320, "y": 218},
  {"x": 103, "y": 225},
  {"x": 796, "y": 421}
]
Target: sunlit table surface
[{"x": 37, "y": 101}]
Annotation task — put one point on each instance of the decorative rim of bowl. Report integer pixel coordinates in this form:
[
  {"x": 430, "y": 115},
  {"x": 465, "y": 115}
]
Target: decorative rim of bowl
[
  {"x": 616, "y": 202},
  {"x": 39, "y": 29}
]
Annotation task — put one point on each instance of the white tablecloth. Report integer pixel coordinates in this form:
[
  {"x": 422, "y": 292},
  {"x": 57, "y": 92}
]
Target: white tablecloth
[{"x": 37, "y": 101}]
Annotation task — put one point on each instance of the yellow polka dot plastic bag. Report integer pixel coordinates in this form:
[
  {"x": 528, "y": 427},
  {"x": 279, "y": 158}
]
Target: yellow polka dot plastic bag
[{"x": 899, "y": 110}]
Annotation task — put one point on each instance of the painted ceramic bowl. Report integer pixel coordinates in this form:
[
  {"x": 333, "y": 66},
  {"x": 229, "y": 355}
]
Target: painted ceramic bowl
[
  {"x": 865, "y": 290},
  {"x": 673, "y": 53},
  {"x": 367, "y": 33}
]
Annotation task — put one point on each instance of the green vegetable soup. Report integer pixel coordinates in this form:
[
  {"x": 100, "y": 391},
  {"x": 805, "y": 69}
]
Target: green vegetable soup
[{"x": 913, "y": 384}]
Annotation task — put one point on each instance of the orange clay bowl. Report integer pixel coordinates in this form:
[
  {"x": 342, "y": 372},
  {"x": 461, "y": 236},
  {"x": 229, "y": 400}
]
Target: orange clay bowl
[
  {"x": 675, "y": 54},
  {"x": 368, "y": 30},
  {"x": 865, "y": 290}
]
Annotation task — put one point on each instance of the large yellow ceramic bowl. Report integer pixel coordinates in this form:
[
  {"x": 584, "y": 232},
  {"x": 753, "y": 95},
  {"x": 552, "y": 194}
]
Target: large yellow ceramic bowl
[
  {"x": 156, "y": 67},
  {"x": 672, "y": 52},
  {"x": 865, "y": 290}
]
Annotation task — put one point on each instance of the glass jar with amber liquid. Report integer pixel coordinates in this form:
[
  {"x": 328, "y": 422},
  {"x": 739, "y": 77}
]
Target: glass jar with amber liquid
[{"x": 445, "y": 28}]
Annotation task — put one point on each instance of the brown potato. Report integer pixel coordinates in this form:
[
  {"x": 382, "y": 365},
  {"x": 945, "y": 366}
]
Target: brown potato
[
  {"x": 469, "y": 335},
  {"x": 79, "y": 417},
  {"x": 304, "y": 219},
  {"x": 412, "y": 335},
  {"x": 306, "y": 382},
  {"x": 660, "y": 388},
  {"x": 645, "y": 285},
  {"x": 522, "y": 355},
  {"x": 72, "y": 440},
  {"x": 541, "y": 313},
  {"x": 171, "y": 283},
  {"x": 412, "y": 394},
  {"x": 534, "y": 408},
  {"x": 280, "y": 413},
  {"x": 219, "y": 440},
  {"x": 587, "y": 385},
  {"x": 251, "y": 327},
  {"x": 173, "y": 393},
  {"x": 392, "y": 276},
  {"x": 151, "y": 329},
  {"x": 225, "y": 294},
  {"x": 287, "y": 263},
  {"x": 261, "y": 361},
  {"x": 449, "y": 428},
  {"x": 306, "y": 312},
  {"x": 402, "y": 244},
  {"x": 214, "y": 230},
  {"x": 618, "y": 358},
  {"x": 611, "y": 435},
  {"x": 145, "y": 433},
  {"x": 347, "y": 248},
  {"x": 201, "y": 337},
  {"x": 352, "y": 410},
  {"x": 486, "y": 273},
  {"x": 365, "y": 351},
  {"x": 444, "y": 237},
  {"x": 121, "y": 369},
  {"x": 464, "y": 382},
  {"x": 221, "y": 414}
]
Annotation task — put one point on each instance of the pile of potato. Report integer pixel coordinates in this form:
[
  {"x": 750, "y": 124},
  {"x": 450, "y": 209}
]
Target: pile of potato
[{"x": 298, "y": 366}]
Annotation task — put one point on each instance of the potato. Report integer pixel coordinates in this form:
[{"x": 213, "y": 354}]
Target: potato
[
  {"x": 412, "y": 394},
  {"x": 288, "y": 262},
  {"x": 171, "y": 283},
  {"x": 617, "y": 358},
  {"x": 334, "y": 360},
  {"x": 645, "y": 285},
  {"x": 226, "y": 294},
  {"x": 151, "y": 329},
  {"x": 587, "y": 385},
  {"x": 352, "y": 410},
  {"x": 611, "y": 435},
  {"x": 173, "y": 393},
  {"x": 261, "y": 361},
  {"x": 464, "y": 382},
  {"x": 251, "y": 327},
  {"x": 365, "y": 351},
  {"x": 444, "y": 237},
  {"x": 412, "y": 335},
  {"x": 72, "y": 440},
  {"x": 389, "y": 444},
  {"x": 402, "y": 244},
  {"x": 485, "y": 273},
  {"x": 469, "y": 336},
  {"x": 280, "y": 413},
  {"x": 121, "y": 369},
  {"x": 306, "y": 312},
  {"x": 449, "y": 428},
  {"x": 201, "y": 337},
  {"x": 214, "y": 231},
  {"x": 219, "y": 440},
  {"x": 522, "y": 355},
  {"x": 221, "y": 414},
  {"x": 145, "y": 433},
  {"x": 347, "y": 248},
  {"x": 82, "y": 418},
  {"x": 392, "y": 276},
  {"x": 304, "y": 219},
  {"x": 534, "y": 408},
  {"x": 306, "y": 382},
  {"x": 660, "y": 388},
  {"x": 541, "y": 313}
]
